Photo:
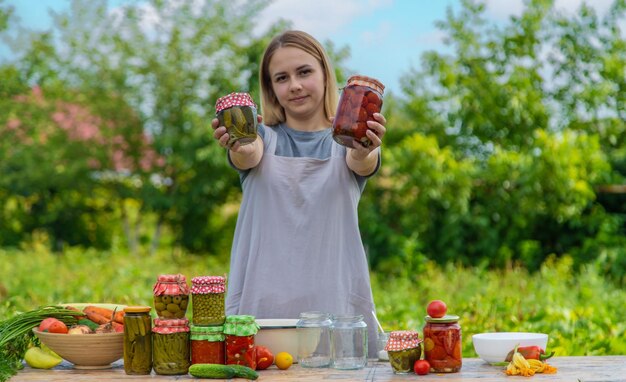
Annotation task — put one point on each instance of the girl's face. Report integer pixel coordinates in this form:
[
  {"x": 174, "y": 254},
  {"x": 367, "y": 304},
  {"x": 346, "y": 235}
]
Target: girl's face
[{"x": 298, "y": 82}]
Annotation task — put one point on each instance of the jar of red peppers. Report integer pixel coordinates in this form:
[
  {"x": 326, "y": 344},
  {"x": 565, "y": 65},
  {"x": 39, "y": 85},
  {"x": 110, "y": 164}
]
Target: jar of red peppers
[
  {"x": 208, "y": 300},
  {"x": 442, "y": 344},
  {"x": 240, "y": 332},
  {"x": 170, "y": 346},
  {"x": 171, "y": 296},
  {"x": 360, "y": 99},
  {"x": 207, "y": 344}
]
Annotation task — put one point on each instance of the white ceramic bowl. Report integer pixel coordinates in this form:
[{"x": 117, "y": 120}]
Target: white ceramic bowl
[
  {"x": 494, "y": 347},
  {"x": 278, "y": 335}
]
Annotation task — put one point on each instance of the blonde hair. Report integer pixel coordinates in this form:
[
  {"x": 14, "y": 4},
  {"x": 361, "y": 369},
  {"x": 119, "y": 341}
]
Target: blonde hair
[{"x": 273, "y": 113}]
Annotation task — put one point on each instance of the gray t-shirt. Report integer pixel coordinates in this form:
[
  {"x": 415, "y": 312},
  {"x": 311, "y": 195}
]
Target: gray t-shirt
[{"x": 305, "y": 144}]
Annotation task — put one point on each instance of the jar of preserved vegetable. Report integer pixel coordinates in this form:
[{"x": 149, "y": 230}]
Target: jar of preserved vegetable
[
  {"x": 170, "y": 353},
  {"x": 313, "y": 330},
  {"x": 207, "y": 344},
  {"x": 240, "y": 332},
  {"x": 404, "y": 348},
  {"x": 137, "y": 340},
  {"x": 171, "y": 296},
  {"x": 360, "y": 99},
  {"x": 237, "y": 112},
  {"x": 348, "y": 342},
  {"x": 207, "y": 293},
  {"x": 442, "y": 344}
]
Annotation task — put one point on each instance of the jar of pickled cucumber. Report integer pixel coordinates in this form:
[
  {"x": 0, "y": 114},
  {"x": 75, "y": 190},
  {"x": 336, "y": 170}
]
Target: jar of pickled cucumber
[
  {"x": 360, "y": 99},
  {"x": 442, "y": 344},
  {"x": 207, "y": 344},
  {"x": 137, "y": 340},
  {"x": 404, "y": 348},
  {"x": 170, "y": 353},
  {"x": 207, "y": 293},
  {"x": 171, "y": 296},
  {"x": 240, "y": 332},
  {"x": 237, "y": 112}
]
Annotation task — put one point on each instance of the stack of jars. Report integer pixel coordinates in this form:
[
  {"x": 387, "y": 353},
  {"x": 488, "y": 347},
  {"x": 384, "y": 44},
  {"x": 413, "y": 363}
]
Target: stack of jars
[
  {"x": 207, "y": 329},
  {"x": 170, "y": 333}
]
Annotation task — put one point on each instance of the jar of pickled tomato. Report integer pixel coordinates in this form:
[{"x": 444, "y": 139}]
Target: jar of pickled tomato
[{"x": 442, "y": 344}]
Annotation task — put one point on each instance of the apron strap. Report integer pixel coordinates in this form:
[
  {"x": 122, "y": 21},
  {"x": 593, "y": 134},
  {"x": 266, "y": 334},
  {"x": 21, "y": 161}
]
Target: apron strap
[{"x": 270, "y": 140}]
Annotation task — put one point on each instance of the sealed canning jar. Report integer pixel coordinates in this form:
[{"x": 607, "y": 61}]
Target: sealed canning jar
[
  {"x": 237, "y": 112},
  {"x": 137, "y": 340},
  {"x": 207, "y": 344},
  {"x": 442, "y": 344},
  {"x": 170, "y": 343},
  {"x": 404, "y": 348},
  {"x": 360, "y": 99},
  {"x": 313, "y": 330},
  {"x": 240, "y": 332},
  {"x": 207, "y": 293},
  {"x": 171, "y": 296},
  {"x": 349, "y": 342}
]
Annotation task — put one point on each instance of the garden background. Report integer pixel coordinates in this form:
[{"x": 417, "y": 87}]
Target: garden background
[{"x": 501, "y": 192}]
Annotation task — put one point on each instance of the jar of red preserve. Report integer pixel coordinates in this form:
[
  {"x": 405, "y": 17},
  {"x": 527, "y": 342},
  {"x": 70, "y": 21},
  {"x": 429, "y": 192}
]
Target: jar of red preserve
[
  {"x": 360, "y": 99},
  {"x": 207, "y": 344},
  {"x": 442, "y": 344},
  {"x": 240, "y": 348}
]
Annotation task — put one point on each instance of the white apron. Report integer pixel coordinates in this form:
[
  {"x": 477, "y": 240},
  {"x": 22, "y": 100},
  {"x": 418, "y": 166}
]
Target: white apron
[{"x": 297, "y": 245}]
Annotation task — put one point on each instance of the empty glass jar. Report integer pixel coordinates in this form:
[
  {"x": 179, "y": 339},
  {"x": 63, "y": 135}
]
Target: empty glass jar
[
  {"x": 314, "y": 339},
  {"x": 349, "y": 342}
]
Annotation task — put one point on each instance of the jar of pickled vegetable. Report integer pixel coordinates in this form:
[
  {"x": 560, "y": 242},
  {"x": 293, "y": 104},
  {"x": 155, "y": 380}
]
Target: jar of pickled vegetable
[
  {"x": 442, "y": 344},
  {"x": 170, "y": 353},
  {"x": 207, "y": 344},
  {"x": 237, "y": 112},
  {"x": 208, "y": 293},
  {"x": 360, "y": 99},
  {"x": 240, "y": 332},
  {"x": 137, "y": 340},
  {"x": 404, "y": 348},
  {"x": 171, "y": 296}
]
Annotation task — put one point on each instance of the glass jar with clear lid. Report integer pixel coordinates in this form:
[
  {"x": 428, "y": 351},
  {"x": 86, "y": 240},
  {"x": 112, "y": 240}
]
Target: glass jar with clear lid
[
  {"x": 442, "y": 344},
  {"x": 313, "y": 330},
  {"x": 348, "y": 342},
  {"x": 137, "y": 340}
]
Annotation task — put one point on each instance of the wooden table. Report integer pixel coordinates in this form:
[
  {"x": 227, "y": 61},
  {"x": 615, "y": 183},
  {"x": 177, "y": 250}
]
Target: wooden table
[{"x": 572, "y": 369}]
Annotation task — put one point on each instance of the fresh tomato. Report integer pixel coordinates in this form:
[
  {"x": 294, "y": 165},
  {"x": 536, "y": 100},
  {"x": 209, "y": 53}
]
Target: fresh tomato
[
  {"x": 421, "y": 367},
  {"x": 264, "y": 357},
  {"x": 52, "y": 325},
  {"x": 436, "y": 308}
]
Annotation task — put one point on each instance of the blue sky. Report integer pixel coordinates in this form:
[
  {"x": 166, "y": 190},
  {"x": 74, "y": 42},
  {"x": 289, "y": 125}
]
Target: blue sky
[{"x": 386, "y": 37}]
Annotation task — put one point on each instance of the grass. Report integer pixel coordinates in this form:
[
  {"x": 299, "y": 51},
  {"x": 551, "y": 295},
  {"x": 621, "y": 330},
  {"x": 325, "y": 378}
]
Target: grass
[{"x": 578, "y": 309}]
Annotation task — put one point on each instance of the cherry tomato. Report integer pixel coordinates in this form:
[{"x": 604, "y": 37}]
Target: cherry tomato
[
  {"x": 437, "y": 308},
  {"x": 421, "y": 367},
  {"x": 264, "y": 357}
]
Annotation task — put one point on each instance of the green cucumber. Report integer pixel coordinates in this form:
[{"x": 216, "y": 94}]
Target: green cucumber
[
  {"x": 87, "y": 322},
  {"x": 211, "y": 370},
  {"x": 244, "y": 372}
]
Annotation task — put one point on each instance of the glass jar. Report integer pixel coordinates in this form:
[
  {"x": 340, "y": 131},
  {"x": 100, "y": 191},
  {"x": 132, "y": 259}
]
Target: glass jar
[
  {"x": 171, "y": 296},
  {"x": 237, "y": 112},
  {"x": 348, "y": 342},
  {"x": 313, "y": 330},
  {"x": 240, "y": 332},
  {"x": 360, "y": 99},
  {"x": 207, "y": 344},
  {"x": 404, "y": 348},
  {"x": 170, "y": 343},
  {"x": 207, "y": 293},
  {"x": 137, "y": 340},
  {"x": 442, "y": 344}
]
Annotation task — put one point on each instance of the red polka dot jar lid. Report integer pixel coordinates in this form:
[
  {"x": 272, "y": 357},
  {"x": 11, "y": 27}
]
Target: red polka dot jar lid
[
  {"x": 366, "y": 81},
  {"x": 233, "y": 99},
  {"x": 171, "y": 285},
  {"x": 403, "y": 339},
  {"x": 168, "y": 326},
  {"x": 208, "y": 284}
]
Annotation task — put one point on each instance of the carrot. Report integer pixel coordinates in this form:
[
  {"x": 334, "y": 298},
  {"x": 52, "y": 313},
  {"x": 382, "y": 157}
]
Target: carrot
[
  {"x": 118, "y": 316},
  {"x": 96, "y": 317}
]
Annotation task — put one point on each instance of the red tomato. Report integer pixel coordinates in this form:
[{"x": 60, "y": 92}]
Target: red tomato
[
  {"x": 264, "y": 357},
  {"x": 421, "y": 367},
  {"x": 437, "y": 308},
  {"x": 52, "y": 325}
]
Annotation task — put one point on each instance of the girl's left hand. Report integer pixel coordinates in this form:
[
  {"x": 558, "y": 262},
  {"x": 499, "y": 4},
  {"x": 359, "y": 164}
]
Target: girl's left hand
[{"x": 375, "y": 132}]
